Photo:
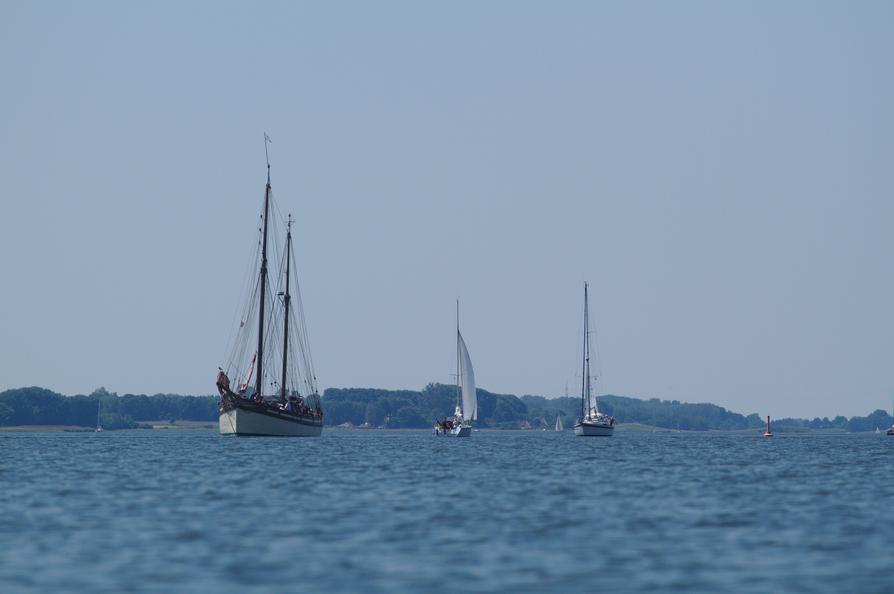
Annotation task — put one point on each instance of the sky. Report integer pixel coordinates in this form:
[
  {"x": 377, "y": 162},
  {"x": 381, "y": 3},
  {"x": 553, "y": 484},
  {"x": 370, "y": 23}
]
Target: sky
[{"x": 721, "y": 173}]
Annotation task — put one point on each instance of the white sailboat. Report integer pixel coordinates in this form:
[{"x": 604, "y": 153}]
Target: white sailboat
[
  {"x": 891, "y": 430},
  {"x": 559, "y": 425},
  {"x": 460, "y": 424},
  {"x": 284, "y": 400},
  {"x": 98, "y": 411},
  {"x": 592, "y": 422}
]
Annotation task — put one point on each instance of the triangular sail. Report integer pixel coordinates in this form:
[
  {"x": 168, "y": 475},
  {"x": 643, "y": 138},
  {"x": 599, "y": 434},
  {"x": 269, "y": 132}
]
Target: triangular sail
[
  {"x": 559, "y": 426},
  {"x": 467, "y": 381}
]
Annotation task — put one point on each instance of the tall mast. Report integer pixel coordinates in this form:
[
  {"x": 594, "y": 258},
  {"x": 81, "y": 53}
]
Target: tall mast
[
  {"x": 587, "y": 326},
  {"x": 260, "y": 376},
  {"x": 585, "y": 380},
  {"x": 458, "y": 362},
  {"x": 285, "y": 332}
]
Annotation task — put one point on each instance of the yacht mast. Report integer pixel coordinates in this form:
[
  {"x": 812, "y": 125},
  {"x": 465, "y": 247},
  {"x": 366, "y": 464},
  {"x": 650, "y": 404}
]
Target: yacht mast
[
  {"x": 585, "y": 380},
  {"x": 459, "y": 394},
  {"x": 286, "y": 300},
  {"x": 260, "y": 377}
]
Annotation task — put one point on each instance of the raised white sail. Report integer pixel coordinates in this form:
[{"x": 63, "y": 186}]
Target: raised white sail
[
  {"x": 460, "y": 424},
  {"x": 467, "y": 381},
  {"x": 559, "y": 425}
]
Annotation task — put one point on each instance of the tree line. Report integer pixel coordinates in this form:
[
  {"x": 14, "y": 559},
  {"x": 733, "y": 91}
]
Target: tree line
[
  {"x": 401, "y": 409},
  {"x": 39, "y": 406}
]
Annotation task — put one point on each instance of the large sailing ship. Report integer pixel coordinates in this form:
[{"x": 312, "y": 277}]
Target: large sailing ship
[
  {"x": 592, "y": 422},
  {"x": 278, "y": 394}
]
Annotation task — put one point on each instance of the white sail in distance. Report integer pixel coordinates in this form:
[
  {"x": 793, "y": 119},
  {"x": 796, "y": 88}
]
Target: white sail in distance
[{"x": 467, "y": 381}]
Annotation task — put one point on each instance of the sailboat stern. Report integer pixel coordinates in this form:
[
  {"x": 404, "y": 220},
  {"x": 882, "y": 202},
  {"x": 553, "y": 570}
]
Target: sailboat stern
[{"x": 590, "y": 429}]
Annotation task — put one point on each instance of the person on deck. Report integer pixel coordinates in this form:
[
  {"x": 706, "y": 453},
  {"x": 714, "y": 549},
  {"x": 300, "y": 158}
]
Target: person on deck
[{"x": 223, "y": 382}]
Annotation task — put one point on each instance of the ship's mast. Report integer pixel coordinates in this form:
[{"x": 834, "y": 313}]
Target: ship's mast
[
  {"x": 459, "y": 394},
  {"x": 260, "y": 377},
  {"x": 286, "y": 299},
  {"x": 585, "y": 380}
]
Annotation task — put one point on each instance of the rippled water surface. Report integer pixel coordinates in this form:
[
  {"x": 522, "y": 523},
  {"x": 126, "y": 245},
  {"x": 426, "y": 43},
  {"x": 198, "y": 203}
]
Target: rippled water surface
[{"x": 380, "y": 511}]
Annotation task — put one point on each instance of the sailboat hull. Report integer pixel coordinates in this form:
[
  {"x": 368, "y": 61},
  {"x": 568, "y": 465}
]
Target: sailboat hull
[
  {"x": 243, "y": 422},
  {"x": 593, "y": 430},
  {"x": 462, "y": 431}
]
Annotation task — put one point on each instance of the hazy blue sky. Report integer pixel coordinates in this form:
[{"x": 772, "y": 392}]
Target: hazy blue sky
[{"x": 720, "y": 172}]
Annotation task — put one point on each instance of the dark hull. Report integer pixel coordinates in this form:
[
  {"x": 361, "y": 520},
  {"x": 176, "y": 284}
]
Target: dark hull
[
  {"x": 589, "y": 429},
  {"x": 240, "y": 416}
]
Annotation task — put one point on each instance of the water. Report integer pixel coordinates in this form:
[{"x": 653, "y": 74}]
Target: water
[{"x": 154, "y": 511}]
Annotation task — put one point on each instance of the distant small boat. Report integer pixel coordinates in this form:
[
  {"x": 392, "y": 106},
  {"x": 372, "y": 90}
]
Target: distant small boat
[
  {"x": 98, "y": 423},
  {"x": 460, "y": 424},
  {"x": 559, "y": 426},
  {"x": 592, "y": 422},
  {"x": 891, "y": 430},
  {"x": 877, "y": 430},
  {"x": 768, "y": 433}
]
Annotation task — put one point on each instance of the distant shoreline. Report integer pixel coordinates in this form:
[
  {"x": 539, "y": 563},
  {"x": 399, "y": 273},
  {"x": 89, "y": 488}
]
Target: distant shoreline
[
  {"x": 178, "y": 425},
  {"x": 34, "y": 408}
]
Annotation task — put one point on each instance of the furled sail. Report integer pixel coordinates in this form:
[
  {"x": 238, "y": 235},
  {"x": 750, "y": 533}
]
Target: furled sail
[{"x": 467, "y": 381}]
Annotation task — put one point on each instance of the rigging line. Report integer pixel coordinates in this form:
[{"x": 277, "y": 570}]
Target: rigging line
[
  {"x": 282, "y": 219},
  {"x": 305, "y": 351},
  {"x": 246, "y": 284},
  {"x": 305, "y": 332},
  {"x": 298, "y": 374},
  {"x": 249, "y": 301},
  {"x": 309, "y": 376},
  {"x": 246, "y": 319},
  {"x": 302, "y": 345},
  {"x": 598, "y": 376}
]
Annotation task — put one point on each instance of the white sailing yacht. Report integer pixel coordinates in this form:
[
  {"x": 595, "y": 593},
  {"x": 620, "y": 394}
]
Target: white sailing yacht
[
  {"x": 592, "y": 422},
  {"x": 559, "y": 425},
  {"x": 284, "y": 400},
  {"x": 891, "y": 430},
  {"x": 98, "y": 411},
  {"x": 460, "y": 424}
]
